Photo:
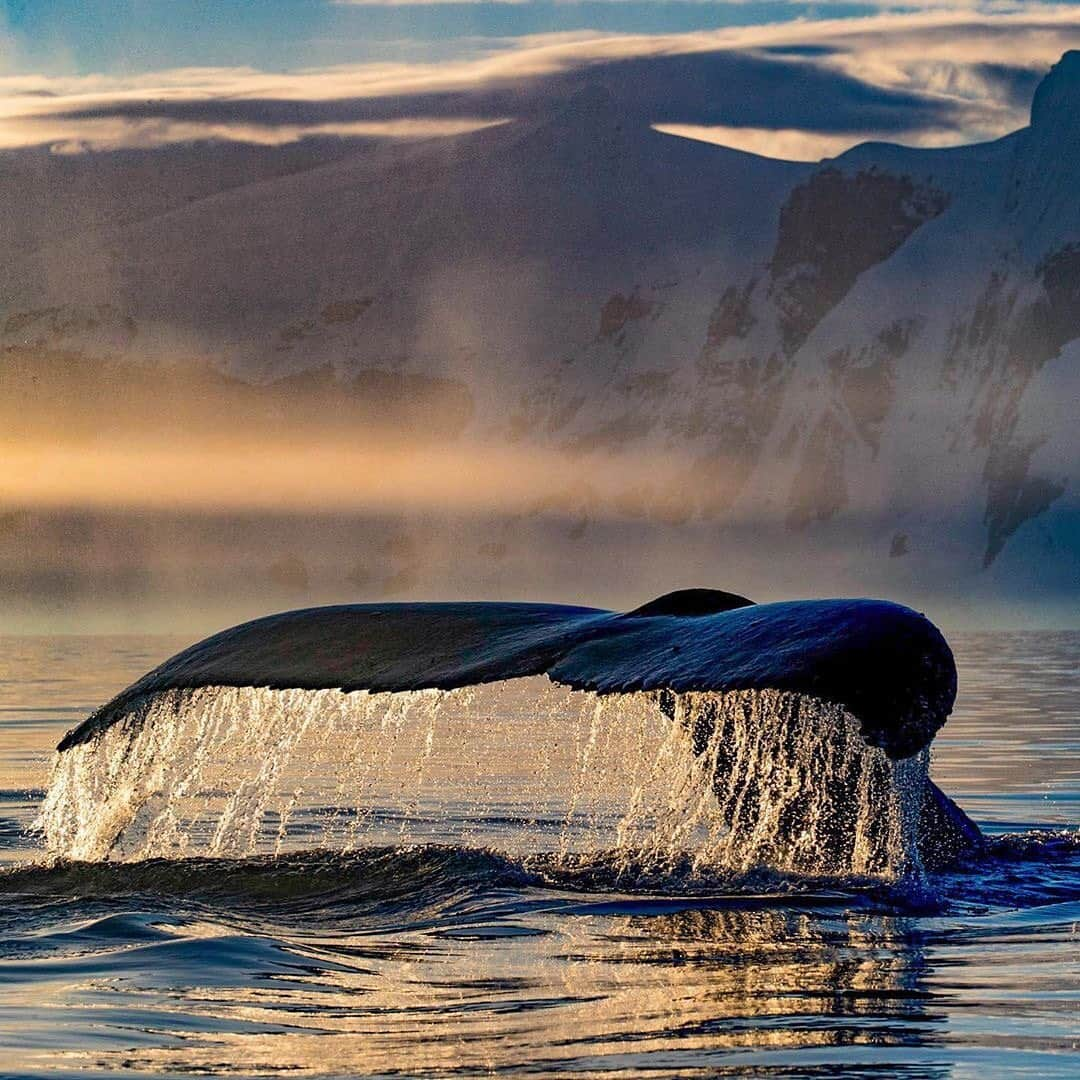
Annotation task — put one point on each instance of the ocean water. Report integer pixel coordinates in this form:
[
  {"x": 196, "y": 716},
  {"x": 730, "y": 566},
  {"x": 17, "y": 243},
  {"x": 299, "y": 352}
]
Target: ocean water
[{"x": 512, "y": 883}]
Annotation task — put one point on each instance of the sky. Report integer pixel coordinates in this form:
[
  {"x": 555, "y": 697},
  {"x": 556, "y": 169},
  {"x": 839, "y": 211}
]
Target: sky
[{"x": 786, "y": 79}]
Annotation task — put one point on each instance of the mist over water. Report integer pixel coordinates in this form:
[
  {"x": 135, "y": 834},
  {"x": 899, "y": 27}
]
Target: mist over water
[{"x": 520, "y": 879}]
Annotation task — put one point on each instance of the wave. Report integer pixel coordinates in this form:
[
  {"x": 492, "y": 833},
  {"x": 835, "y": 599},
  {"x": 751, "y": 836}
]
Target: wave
[{"x": 416, "y": 885}]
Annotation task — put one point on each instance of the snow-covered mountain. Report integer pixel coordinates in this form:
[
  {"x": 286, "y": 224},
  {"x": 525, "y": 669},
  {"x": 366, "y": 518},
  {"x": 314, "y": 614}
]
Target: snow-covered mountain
[{"x": 862, "y": 375}]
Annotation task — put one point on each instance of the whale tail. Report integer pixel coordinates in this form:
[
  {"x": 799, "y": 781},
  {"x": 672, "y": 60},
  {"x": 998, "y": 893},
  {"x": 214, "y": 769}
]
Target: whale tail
[
  {"x": 811, "y": 719},
  {"x": 946, "y": 834}
]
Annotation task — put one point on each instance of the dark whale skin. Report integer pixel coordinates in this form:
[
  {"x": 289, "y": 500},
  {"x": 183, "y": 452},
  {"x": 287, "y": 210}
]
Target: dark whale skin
[{"x": 887, "y": 665}]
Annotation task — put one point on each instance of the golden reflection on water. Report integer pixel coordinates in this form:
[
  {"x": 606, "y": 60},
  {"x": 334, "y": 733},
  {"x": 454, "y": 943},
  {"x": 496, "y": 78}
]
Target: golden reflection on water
[
  {"x": 552, "y": 983},
  {"x": 608, "y": 993}
]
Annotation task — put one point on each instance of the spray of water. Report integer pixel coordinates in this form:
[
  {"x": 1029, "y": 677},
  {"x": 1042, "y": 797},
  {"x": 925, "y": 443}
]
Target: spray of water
[{"x": 725, "y": 782}]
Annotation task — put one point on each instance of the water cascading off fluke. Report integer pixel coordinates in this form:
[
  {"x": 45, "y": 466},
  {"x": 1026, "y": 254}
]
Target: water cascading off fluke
[{"x": 791, "y": 736}]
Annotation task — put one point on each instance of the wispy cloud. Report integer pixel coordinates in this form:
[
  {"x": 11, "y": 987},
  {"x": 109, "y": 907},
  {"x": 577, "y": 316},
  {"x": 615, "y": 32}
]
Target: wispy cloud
[
  {"x": 448, "y": 3},
  {"x": 789, "y": 144},
  {"x": 117, "y": 133},
  {"x": 928, "y": 77}
]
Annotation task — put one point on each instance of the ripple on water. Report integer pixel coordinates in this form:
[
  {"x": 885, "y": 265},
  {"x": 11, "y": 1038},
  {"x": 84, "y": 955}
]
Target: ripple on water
[{"x": 475, "y": 956}]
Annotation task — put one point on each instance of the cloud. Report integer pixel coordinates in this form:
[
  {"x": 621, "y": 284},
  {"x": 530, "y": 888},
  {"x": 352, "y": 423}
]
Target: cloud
[
  {"x": 926, "y": 78},
  {"x": 789, "y": 144},
  {"x": 702, "y": 87},
  {"x": 120, "y": 133},
  {"x": 434, "y": 3}
]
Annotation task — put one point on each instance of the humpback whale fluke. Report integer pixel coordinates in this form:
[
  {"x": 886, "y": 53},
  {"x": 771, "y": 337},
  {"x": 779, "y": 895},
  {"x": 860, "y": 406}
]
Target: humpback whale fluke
[
  {"x": 887, "y": 665},
  {"x": 877, "y": 667}
]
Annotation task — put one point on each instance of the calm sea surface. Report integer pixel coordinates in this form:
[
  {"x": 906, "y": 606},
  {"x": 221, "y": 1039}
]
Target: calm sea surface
[{"x": 433, "y": 947}]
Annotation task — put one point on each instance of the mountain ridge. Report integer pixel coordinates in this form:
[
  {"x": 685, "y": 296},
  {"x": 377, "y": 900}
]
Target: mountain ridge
[{"x": 882, "y": 345}]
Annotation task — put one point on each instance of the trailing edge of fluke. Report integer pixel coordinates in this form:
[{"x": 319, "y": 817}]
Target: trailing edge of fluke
[{"x": 887, "y": 665}]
